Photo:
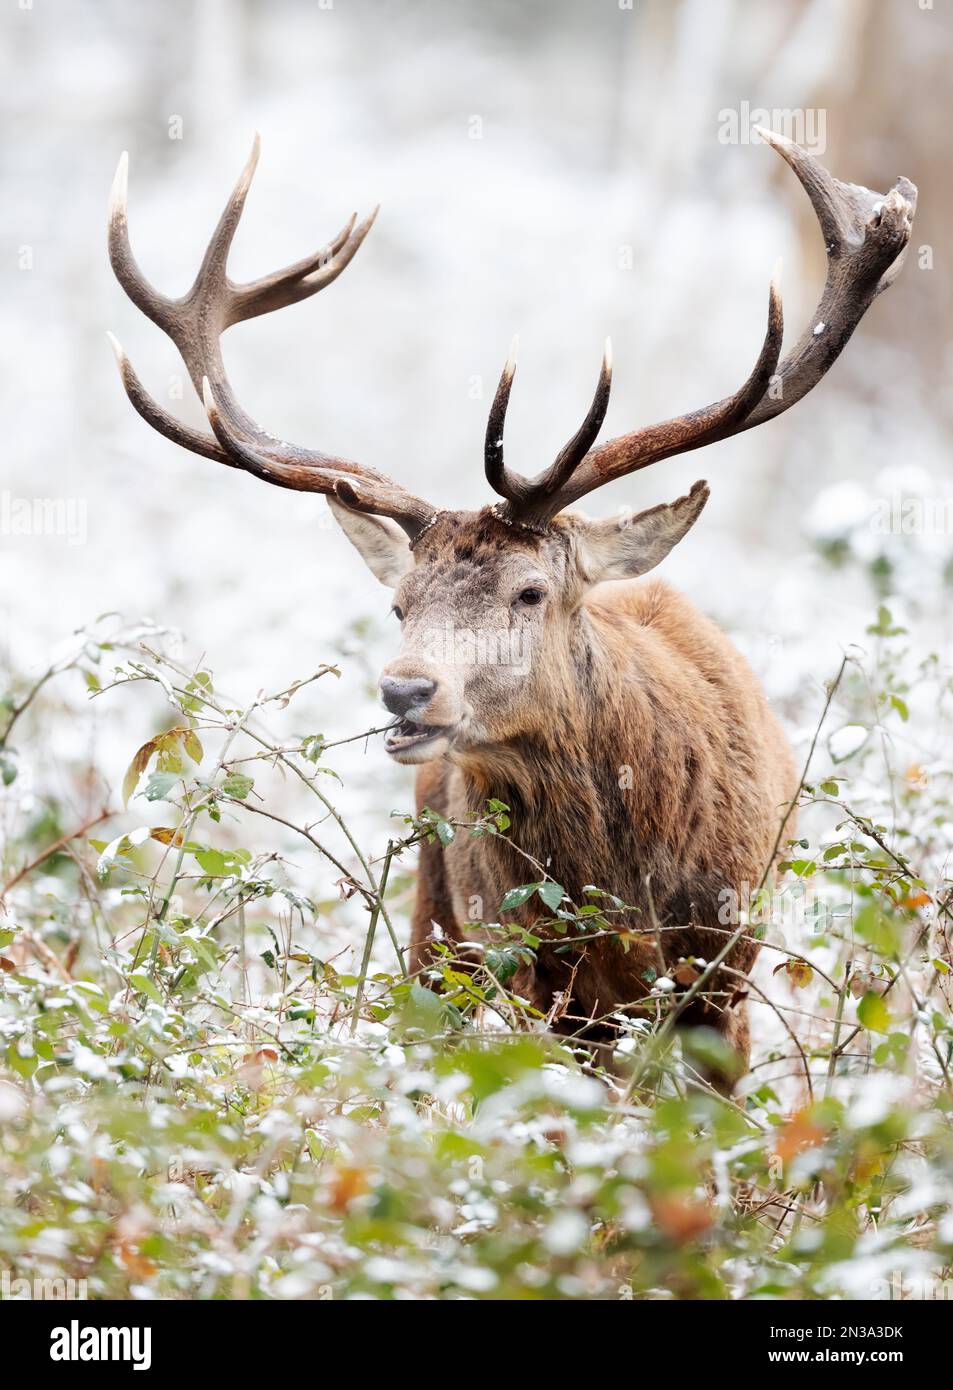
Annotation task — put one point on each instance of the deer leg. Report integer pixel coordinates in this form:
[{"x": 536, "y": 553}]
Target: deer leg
[
  {"x": 738, "y": 1035},
  {"x": 432, "y": 905},
  {"x": 731, "y": 1024}
]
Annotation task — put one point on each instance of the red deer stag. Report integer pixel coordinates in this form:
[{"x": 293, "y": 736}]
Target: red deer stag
[{"x": 630, "y": 741}]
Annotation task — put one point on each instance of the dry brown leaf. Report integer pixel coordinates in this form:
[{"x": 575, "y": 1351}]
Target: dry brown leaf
[
  {"x": 681, "y": 1217},
  {"x": 346, "y": 1185},
  {"x": 166, "y": 835},
  {"x": 799, "y": 972},
  {"x": 801, "y": 1132}
]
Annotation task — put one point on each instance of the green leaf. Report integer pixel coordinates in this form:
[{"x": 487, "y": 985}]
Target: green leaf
[
  {"x": 424, "y": 1009},
  {"x": 873, "y": 926},
  {"x": 884, "y": 626},
  {"x": 552, "y": 894},
  {"x": 207, "y": 951},
  {"x": 212, "y": 862},
  {"x": 238, "y": 784},
  {"x": 312, "y": 746},
  {"x": 160, "y": 784},
  {"x": 873, "y": 1013},
  {"x": 516, "y": 897},
  {"x": 143, "y": 985},
  {"x": 192, "y": 745},
  {"x": 502, "y": 963},
  {"x": 901, "y": 707},
  {"x": 893, "y": 1052},
  {"x": 110, "y": 852},
  {"x": 445, "y": 831}
]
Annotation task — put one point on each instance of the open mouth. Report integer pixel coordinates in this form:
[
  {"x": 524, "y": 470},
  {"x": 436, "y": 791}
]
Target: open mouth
[{"x": 405, "y": 735}]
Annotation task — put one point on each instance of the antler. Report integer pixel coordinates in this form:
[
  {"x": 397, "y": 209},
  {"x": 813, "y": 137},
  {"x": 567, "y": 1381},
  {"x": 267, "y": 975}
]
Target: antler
[
  {"x": 195, "y": 323},
  {"x": 866, "y": 235}
]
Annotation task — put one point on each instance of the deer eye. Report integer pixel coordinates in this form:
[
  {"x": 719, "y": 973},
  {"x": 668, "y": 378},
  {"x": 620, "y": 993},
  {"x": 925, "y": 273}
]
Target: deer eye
[
  {"x": 531, "y": 597},
  {"x": 398, "y": 613}
]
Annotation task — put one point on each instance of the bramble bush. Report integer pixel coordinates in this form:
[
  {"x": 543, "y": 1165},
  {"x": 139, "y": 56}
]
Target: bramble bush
[{"x": 218, "y": 1079}]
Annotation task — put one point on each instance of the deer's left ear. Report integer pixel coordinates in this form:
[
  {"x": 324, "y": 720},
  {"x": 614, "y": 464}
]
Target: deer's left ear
[
  {"x": 621, "y": 548},
  {"x": 382, "y": 544}
]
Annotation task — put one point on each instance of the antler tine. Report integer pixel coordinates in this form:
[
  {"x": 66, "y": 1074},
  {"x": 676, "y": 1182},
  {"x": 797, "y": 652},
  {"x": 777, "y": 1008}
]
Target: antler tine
[
  {"x": 526, "y": 495},
  {"x": 570, "y": 455},
  {"x": 254, "y": 292},
  {"x": 362, "y": 489},
  {"x": 304, "y": 277},
  {"x": 153, "y": 413},
  {"x": 157, "y": 307},
  {"x": 212, "y": 284},
  {"x": 195, "y": 323},
  {"x": 154, "y": 305},
  {"x": 866, "y": 235},
  {"x": 652, "y": 443},
  {"x": 195, "y": 320},
  {"x": 561, "y": 484},
  {"x": 501, "y": 480}
]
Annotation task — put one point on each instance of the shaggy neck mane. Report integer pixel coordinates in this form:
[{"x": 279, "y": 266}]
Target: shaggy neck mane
[{"x": 577, "y": 790}]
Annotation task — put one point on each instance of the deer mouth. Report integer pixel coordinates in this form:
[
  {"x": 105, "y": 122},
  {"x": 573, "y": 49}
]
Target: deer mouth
[{"x": 405, "y": 739}]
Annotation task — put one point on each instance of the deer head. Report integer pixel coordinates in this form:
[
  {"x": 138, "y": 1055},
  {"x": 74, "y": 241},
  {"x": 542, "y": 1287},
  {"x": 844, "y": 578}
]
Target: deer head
[{"x": 490, "y": 602}]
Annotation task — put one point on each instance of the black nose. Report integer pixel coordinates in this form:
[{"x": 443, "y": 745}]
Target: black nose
[{"x": 405, "y": 696}]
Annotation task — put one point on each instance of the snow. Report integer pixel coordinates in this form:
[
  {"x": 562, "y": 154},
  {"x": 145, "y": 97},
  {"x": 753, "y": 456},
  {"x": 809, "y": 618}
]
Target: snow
[{"x": 846, "y": 741}]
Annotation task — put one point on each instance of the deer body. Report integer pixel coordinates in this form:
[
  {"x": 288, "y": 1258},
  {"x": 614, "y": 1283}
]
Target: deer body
[
  {"x": 647, "y": 763},
  {"x": 629, "y": 739}
]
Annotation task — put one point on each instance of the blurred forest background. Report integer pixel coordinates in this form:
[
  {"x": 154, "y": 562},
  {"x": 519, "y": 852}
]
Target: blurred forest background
[{"x": 556, "y": 169}]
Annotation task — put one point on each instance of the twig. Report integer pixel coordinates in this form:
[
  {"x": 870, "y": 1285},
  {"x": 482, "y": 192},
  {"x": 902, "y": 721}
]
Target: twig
[
  {"x": 51, "y": 850},
  {"x": 369, "y": 941}
]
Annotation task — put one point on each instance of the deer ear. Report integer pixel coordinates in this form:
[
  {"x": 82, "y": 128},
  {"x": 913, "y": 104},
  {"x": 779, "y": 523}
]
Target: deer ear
[
  {"x": 382, "y": 544},
  {"x": 621, "y": 548}
]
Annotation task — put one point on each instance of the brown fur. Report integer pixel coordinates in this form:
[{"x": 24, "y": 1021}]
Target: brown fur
[{"x": 638, "y": 755}]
